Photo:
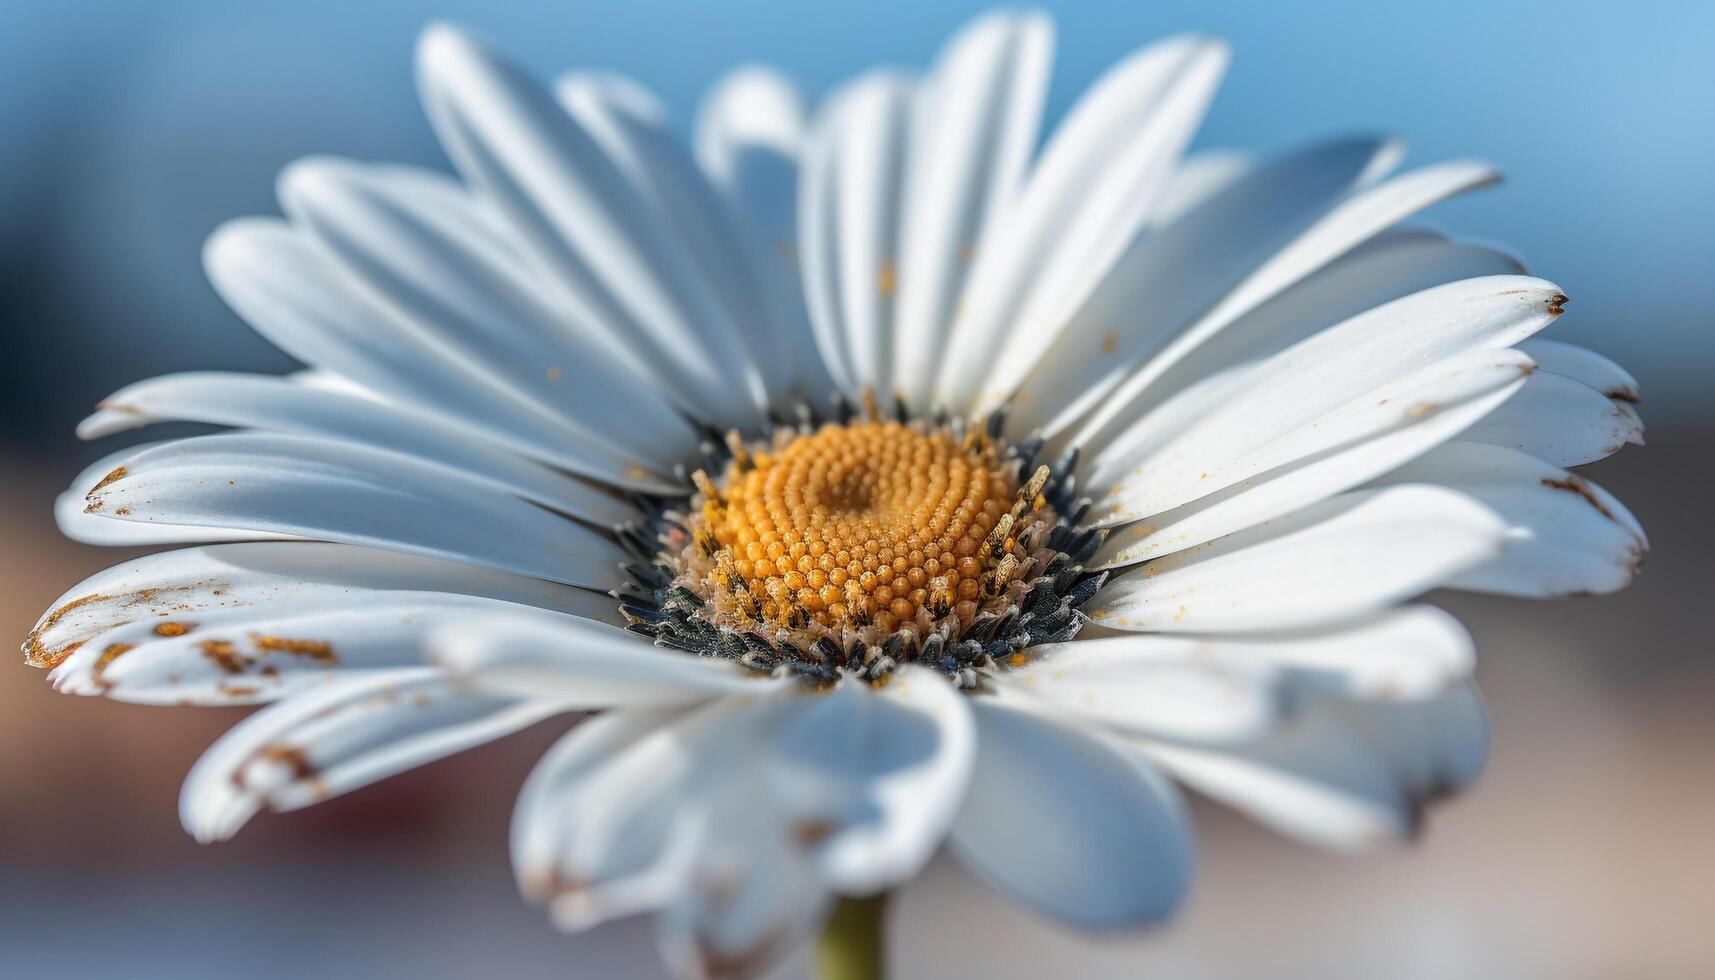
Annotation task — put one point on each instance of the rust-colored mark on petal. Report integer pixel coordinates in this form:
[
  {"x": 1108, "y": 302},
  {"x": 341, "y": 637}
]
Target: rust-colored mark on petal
[
  {"x": 746, "y": 962},
  {"x": 319, "y": 651},
  {"x": 173, "y": 629},
  {"x": 554, "y": 372},
  {"x": 112, "y": 652},
  {"x": 117, "y": 474},
  {"x": 293, "y": 759},
  {"x": 1421, "y": 409},
  {"x": 1635, "y": 560},
  {"x": 237, "y": 690},
  {"x": 1624, "y": 393},
  {"x": 1574, "y": 485},
  {"x": 36, "y": 653},
  {"x": 224, "y": 655},
  {"x": 1110, "y": 342},
  {"x": 886, "y": 278},
  {"x": 811, "y": 833},
  {"x": 1557, "y": 304},
  {"x": 552, "y": 884}
]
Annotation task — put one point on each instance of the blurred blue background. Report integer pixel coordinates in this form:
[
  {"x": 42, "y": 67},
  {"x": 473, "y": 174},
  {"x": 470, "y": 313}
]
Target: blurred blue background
[{"x": 129, "y": 130}]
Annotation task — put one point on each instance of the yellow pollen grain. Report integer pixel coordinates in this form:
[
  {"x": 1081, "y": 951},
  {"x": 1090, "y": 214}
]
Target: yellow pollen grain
[
  {"x": 870, "y": 523},
  {"x": 886, "y": 279}
]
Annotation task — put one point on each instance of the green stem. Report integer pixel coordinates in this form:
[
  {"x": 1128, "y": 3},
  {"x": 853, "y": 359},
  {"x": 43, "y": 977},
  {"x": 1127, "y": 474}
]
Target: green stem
[{"x": 853, "y": 945}]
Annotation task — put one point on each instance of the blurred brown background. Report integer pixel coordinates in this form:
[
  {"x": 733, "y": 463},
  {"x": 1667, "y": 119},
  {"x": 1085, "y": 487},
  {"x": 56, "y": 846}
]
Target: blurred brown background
[
  {"x": 127, "y": 131},
  {"x": 1586, "y": 851}
]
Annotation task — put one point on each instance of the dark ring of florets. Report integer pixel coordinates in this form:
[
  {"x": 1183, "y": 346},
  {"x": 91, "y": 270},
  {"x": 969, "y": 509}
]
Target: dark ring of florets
[{"x": 657, "y": 603}]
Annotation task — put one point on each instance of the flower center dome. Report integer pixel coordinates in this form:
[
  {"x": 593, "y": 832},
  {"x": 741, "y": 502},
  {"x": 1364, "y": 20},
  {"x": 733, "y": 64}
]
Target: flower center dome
[
  {"x": 863, "y": 542},
  {"x": 867, "y": 524}
]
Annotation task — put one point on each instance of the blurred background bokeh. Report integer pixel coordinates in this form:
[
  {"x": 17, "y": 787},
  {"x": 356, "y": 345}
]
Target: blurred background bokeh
[{"x": 129, "y": 130}]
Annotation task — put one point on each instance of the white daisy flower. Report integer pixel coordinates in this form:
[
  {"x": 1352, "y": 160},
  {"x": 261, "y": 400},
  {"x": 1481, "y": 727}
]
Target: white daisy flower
[{"x": 896, "y": 478}]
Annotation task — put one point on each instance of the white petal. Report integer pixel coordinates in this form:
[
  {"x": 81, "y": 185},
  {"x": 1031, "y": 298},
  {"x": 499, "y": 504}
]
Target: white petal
[
  {"x": 318, "y": 488},
  {"x": 1217, "y": 689},
  {"x": 287, "y": 288},
  {"x": 280, "y": 405},
  {"x": 1565, "y": 535},
  {"x": 245, "y": 656},
  {"x": 599, "y": 809},
  {"x": 1562, "y": 421},
  {"x": 582, "y": 224},
  {"x": 471, "y": 300},
  {"x": 1331, "y": 369},
  {"x": 194, "y": 583},
  {"x": 1167, "y": 277},
  {"x": 76, "y": 521},
  {"x": 976, "y": 122},
  {"x": 848, "y": 213},
  {"x": 1357, "y": 219},
  {"x": 334, "y": 739},
  {"x": 603, "y": 827},
  {"x": 1069, "y": 826},
  {"x": 874, "y": 779},
  {"x": 750, "y": 110},
  {"x": 1359, "y": 441},
  {"x": 579, "y": 664},
  {"x": 1086, "y": 199},
  {"x": 1386, "y": 268},
  {"x": 641, "y": 809},
  {"x": 749, "y": 132},
  {"x": 1345, "y": 774},
  {"x": 160, "y": 597},
  {"x": 1199, "y": 177},
  {"x": 1171, "y": 687},
  {"x": 750, "y": 897},
  {"x": 1347, "y": 555},
  {"x": 630, "y": 125},
  {"x": 1402, "y": 654},
  {"x": 1587, "y": 366}
]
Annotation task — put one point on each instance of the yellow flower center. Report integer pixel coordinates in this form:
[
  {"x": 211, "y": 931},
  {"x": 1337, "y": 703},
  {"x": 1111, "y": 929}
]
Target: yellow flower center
[{"x": 861, "y": 529}]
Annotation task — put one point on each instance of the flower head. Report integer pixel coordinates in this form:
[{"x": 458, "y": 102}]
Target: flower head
[{"x": 876, "y": 482}]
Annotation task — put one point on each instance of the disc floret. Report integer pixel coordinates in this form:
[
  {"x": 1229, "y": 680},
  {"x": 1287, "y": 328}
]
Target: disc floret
[{"x": 861, "y": 543}]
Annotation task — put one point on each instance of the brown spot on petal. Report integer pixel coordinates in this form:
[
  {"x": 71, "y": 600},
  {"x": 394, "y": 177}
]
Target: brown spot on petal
[
  {"x": 1557, "y": 304},
  {"x": 36, "y": 653},
  {"x": 1421, "y": 409},
  {"x": 1624, "y": 394},
  {"x": 173, "y": 629},
  {"x": 293, "y": 759},
  {"x": 1573, "y": 485},
  {"x": 113, "y": 652},
  {"x": 811, "y": 833},
  {"x": 886, "y": 278},
  {"x": 1635, "y": 561},
  {"x": 224, "y": 655},
  {"x": 747, "y": 962},
  {"x": 319, "y": 651},
  {"x": 117, "y": 474}
]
